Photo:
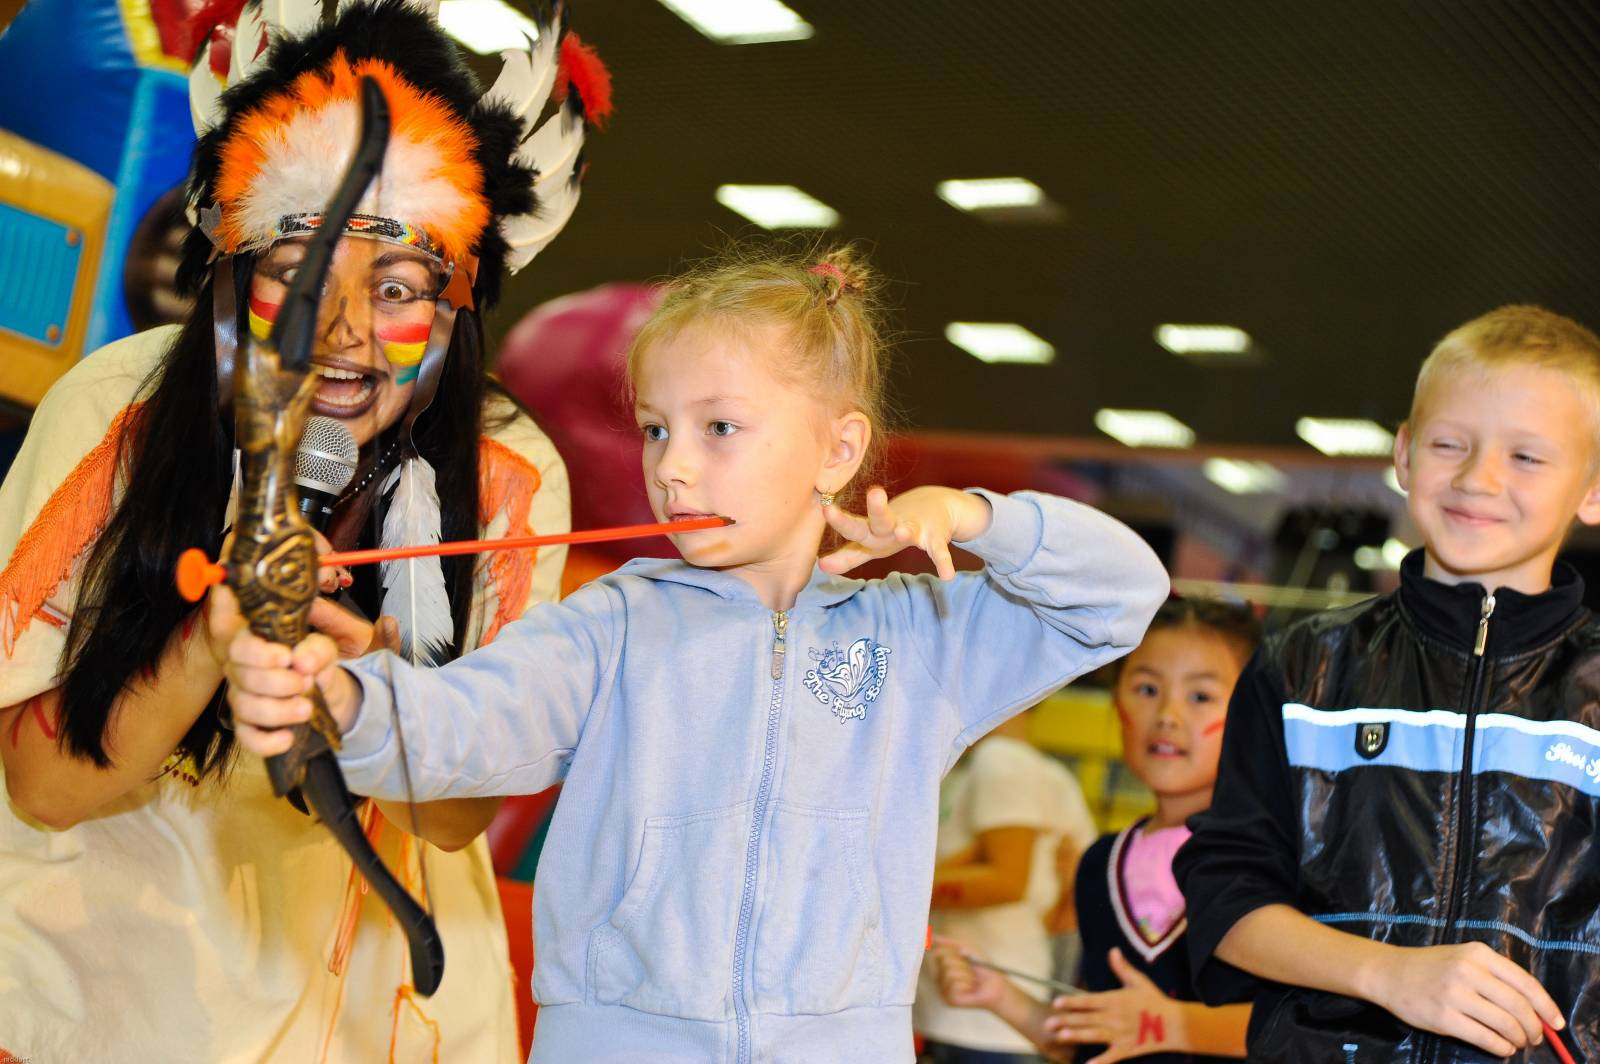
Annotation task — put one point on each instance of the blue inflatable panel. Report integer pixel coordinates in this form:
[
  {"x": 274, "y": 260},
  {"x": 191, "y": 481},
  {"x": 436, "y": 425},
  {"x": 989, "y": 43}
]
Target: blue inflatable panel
[{"x": 38, "y": 267}]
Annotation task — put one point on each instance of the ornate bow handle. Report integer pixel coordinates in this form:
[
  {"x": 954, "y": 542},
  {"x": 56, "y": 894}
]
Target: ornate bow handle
[{"x": 272, "y": 563}]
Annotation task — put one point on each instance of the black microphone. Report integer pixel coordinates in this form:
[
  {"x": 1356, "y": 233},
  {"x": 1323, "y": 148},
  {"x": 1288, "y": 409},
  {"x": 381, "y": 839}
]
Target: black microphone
[{"x": 323, "y": 467}]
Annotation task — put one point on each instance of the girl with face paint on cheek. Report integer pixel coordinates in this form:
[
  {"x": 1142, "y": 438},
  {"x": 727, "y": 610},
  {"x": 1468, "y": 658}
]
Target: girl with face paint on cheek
[{"x": 1171, "y": 697}]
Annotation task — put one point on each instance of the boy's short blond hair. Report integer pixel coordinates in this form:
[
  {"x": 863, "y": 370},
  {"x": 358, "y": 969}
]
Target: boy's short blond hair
[{"x": 1519, "y": 334}]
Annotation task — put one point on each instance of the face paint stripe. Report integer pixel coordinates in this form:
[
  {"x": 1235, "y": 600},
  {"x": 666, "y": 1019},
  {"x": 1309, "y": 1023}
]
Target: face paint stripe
[
  {"x": 413, "y": 333},
  {"x": 403, "y": 354},
  {"x": 261, "y": 316}
]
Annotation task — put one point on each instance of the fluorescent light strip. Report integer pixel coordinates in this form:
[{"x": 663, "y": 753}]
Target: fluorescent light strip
[
  {"x": 990, "y": 193},
  {"x": 1144, "y": 428},
  {"x": 777, "y": 206},
  {"x": 1241, "y": 477},
  {"x": 999, "y": 341},
  {"x": 1385, "y": 558},
  {"x": 1337, "y": 436},
  {"x": 487, "y": 26},
  {"x": 1203, "y": 339},
  {"x": 742, "y": 21}
]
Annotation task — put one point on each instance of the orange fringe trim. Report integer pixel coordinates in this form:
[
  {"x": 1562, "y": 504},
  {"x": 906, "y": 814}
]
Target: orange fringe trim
[
  {"x": 507, "y": 482},
  {"x": 75, "y": 513}
]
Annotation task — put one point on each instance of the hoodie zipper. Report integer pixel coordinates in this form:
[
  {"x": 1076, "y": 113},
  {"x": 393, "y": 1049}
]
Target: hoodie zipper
[
  {"x": 1465, "y": 820},
  {"x": 780, "y": 625}
]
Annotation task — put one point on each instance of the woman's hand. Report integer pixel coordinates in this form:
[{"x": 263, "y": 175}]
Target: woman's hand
[
  {"x": 269, "y": 684},
  {"x": 1132, "y": 1022},
  {"x": 926, "y": 517}
]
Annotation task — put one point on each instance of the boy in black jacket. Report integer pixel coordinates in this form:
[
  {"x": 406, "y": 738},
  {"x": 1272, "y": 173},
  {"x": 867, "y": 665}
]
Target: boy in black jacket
[{"x": 1402, "y": 844}]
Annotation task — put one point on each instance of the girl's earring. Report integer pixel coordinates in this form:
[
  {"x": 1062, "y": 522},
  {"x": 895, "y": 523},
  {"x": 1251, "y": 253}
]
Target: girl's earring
[{"x": 825, "y": 497}]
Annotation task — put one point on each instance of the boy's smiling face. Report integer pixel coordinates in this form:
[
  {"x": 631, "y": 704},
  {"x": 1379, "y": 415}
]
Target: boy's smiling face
[{"x": 1496, "y": 466}]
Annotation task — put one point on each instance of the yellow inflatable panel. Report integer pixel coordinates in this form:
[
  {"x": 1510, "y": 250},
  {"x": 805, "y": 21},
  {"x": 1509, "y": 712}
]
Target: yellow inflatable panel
[
  {"x": 1080, "y": 725},
  {"x": 53, "y": 217}
]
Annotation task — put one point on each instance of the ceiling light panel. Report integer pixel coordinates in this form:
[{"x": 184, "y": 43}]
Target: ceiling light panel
[
  {"x": 742, "y": 21},
  {"x": 487, "y": 27},
  {"x": 990, "y": 193},
  {"x": 1339, "y": 436},
  {"x": 1241, "y": 477},
  {"x": 1144, "y": 428},
  {"x": 999, "y": 341},
  {"x": 777, "y": 206},
  {"x": 1203, "y": 339}
]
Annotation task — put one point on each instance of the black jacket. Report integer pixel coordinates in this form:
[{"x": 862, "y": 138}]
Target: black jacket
[{"x": 1343, "y": 793}]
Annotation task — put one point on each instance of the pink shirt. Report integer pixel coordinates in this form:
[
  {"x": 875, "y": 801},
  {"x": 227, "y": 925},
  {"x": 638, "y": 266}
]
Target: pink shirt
[{"x": 1154, "y": 899}]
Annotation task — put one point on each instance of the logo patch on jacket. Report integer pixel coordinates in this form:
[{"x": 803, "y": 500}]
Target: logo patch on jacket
[
  {"x": 847, "y": 681},
  {"x": 1371, "y": 739}
]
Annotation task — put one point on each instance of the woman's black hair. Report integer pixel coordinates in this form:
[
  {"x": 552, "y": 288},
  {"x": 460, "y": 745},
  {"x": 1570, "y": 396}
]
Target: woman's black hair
[{"x": 178, "y": 465}]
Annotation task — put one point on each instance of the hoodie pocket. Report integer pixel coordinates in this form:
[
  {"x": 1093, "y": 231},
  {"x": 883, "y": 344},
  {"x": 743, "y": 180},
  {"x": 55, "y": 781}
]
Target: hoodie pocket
[
  {"x": 819, "y": 946},
  {"x": 668, "y": 946}
]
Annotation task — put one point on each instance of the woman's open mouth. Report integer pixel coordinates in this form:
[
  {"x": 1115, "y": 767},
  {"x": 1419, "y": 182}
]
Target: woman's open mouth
[{"x": 343, "y": 392}]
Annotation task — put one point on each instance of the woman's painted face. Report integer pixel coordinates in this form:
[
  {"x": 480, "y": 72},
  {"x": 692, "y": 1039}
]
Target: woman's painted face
[{"x": 372, "y": 326}]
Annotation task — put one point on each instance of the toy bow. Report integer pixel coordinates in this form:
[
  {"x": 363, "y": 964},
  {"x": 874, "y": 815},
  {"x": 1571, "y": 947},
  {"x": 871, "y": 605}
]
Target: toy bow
[{"x": 272, "y": 562}]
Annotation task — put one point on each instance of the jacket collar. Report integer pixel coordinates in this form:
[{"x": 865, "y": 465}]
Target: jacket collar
[
  {"x": 822, "y": 590},
  {"x": 1450, "y": 612}
]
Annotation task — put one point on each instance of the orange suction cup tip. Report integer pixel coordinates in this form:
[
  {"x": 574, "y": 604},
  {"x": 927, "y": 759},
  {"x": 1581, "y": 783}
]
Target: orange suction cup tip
[{"x": 196, "y": 573}]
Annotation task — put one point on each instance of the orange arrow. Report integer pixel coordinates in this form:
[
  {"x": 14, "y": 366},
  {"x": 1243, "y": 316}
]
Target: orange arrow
[{"x": 196, "y": 572}]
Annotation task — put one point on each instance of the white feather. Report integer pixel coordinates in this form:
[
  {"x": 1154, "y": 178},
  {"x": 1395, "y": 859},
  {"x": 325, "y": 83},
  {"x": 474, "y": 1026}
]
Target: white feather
[
  {"x": 553, "y": 149},
  {"x": 413, "y": 588},
  {"x": 249, "y": 40},
  {"x": 205, "y": 93},
  {"x": 556, "y": 205},
  {"x": 292, "y": 18},
  {"x": 527, "y": 77},
  {"x": 530, "y": 234}
]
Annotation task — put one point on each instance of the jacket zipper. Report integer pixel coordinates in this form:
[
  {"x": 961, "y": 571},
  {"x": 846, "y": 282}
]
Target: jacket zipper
[
  {"x": 1465, "y": 820},
  {"x": 780, "y": 625}
]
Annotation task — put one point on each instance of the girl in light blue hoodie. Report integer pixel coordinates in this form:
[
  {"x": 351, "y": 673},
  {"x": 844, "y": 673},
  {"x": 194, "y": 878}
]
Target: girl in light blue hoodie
[{"x": 739, "y": 866}]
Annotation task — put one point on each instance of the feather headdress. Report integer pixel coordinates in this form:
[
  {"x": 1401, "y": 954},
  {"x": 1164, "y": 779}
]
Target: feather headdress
[{"x": 467, "y": 174}]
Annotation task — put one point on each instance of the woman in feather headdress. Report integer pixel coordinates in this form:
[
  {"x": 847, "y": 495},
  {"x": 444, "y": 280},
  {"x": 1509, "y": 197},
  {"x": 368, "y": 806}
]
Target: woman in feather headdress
[{"x": 156, "y": 901}]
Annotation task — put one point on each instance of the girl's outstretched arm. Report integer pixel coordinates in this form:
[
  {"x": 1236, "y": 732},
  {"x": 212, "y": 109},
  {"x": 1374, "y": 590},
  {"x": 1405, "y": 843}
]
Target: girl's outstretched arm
[
  {"x": 503, "y": 719},
  {"x": 1065, "y": 589}
]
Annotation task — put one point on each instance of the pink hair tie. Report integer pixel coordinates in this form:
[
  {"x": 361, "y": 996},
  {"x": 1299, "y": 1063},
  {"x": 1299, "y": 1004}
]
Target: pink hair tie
[{"x": 828, "y": 269}]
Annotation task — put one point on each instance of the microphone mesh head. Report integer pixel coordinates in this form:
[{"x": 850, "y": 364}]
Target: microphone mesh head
[{"x": 326, "y": 460}]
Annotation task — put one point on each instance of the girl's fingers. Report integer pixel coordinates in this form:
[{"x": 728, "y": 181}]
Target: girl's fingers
[
  {"x": 850, "y": 526},
  {"x": 261, "y": 711},
  {"x": 943, "y": 564},
  {"x": 314, "y": 653},
  {"x": 845, "y": 559},
  {"x": 268, "y": 683},
  {"x": 879, "y": 516},
  {"x": 1083, "y": 1036},
  {"x": 251, "y": 650},
  {"x": 263, "y": 743}
]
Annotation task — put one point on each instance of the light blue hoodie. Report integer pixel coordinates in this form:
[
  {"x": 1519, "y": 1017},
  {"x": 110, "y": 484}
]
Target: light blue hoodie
[{"x": 740, "y": 863}]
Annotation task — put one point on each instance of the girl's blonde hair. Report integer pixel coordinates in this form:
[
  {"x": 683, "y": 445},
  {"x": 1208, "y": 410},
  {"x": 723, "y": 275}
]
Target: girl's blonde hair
[{"x": 826, "y": 302}]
